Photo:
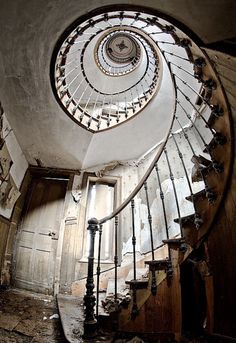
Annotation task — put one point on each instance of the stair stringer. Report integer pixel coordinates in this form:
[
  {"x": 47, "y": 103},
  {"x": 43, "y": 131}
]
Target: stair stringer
[
  {"x": 222, "y": 153},
  {"x": 142, "y": 296},
  {"x": 78, "y": 287},
  {"x": 160, "y": 313}
]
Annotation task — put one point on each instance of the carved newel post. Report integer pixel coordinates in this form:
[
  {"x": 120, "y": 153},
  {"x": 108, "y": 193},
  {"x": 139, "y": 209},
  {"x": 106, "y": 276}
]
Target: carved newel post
[{"x": 90, "y": 323}]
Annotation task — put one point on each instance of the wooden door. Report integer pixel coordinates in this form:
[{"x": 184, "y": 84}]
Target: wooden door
[{"x": 38, "y": 235}]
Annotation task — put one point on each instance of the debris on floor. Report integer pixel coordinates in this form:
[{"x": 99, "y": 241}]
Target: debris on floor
[
  {"x": 25, "y": 318},
  {"x": 54, "y": 316},
  {"x": 110, "y": 304}
]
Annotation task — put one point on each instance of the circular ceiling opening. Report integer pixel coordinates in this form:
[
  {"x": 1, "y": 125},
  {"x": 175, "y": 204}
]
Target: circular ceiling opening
[
  {"x": 107, "y": 68},
  {"x": 118, "y": 52},
  {"x": 122, "y": 48}
]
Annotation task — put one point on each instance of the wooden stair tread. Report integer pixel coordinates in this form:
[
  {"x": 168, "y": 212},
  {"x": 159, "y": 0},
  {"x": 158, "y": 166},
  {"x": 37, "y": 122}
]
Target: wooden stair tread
[
  {"x": 200, "y": 194},
  {"x": 175, "y": 241},
  {"x": 158, "y": 264},
  {"x": 201, "y": 160},
  {"x": 137, "y": 284},
  {"x": 186, "y": 219},
  {"x": 210, "y": 146},
  {"x": 141, "y": 273}
]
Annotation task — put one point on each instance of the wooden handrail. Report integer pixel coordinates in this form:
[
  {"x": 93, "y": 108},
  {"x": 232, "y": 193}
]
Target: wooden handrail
[
  {"x": 144, "y": 178},
  {"x": 155, "y": 160}
]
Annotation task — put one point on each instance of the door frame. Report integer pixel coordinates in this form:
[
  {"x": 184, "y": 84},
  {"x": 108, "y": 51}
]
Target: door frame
[{"x": 18, "y": 211}]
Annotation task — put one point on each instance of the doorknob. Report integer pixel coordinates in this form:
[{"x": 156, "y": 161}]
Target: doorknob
[{"x": 53, "y": 235}]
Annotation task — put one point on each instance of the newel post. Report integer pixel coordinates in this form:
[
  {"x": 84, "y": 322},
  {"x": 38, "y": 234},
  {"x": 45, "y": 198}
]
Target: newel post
[{"x": 90, "y": 322}]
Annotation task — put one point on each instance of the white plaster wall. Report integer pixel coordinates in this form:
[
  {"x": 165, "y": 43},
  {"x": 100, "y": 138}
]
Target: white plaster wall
[
  {"x": 130, "y": 176},
  {"x": 28, "y": 36},
  {"x": 20, "y": 163}
]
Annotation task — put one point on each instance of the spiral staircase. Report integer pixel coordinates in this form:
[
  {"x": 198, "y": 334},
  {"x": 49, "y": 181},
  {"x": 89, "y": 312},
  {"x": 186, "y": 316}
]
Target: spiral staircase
[{"x": 135, "y": 55}]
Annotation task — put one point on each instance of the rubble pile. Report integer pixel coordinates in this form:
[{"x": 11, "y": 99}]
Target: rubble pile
[{"x": 110, "y": 304}]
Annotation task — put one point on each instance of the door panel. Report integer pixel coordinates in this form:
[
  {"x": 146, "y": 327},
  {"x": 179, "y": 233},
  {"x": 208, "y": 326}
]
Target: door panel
[{"x": 38, "y": 234}]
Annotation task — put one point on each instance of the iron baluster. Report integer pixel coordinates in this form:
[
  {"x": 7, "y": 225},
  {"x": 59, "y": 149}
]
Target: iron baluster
[
  {"x": 121, "y": 17},
  {"x": 154, "y": 64},
  {"x": 118, "y": 110},
  {"x": 99, "y": 266},
  {"x": 157, "y": 33},
  {"x": 126, "y": 111},
  {"x": 63, "y": 67},
  {"x": 194, "y": 107},
  {"x": 139, "y": 100},
  {"x": 92, "y": 23},
  {"x": 148, "y": 86},
  {"x": 106, "y": 18},
  {"x": 134, "y": 311},
  {"x": 144, "y": 93},
  {"x": 186, "y": 71},
  {"x": 116, "y": 258},
  {"x": 185, "y": 135},
  {"x": 63, "y": 55},
  {"x": 68, "y": 101},
  {"x": 172, "y": 54},
  {"x": 85, "y": 107},
  {"x": 109, "y": 113},
  {"x": 174, "y": 189},
  {"x": 197, "y": 219},
  {"x": 82, "y": 114},
  {"x": 216, "y": 165},
  {"x": 217, "y": 135},
  {"x": 198, "y": 94},
  {"x": 211, "y": 196},
  {"x": 136, "y": 18},
  {"x": 90, "y": 322},
  {"x": 149, "y": 219},
  {"x": 164, "y": 42},
  {"x": 132, "y": 101},
  {"x": 65, "y": 76},
  {"x": 163, "y": 205},
  {"x": 133, "y": 237},
  {"x": 100, "y": 116},
  {"x": 95, "y": 105}
]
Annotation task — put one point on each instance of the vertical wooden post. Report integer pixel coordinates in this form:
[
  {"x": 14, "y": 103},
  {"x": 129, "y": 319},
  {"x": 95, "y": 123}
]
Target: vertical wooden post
[{"x": 90, "y": 322}]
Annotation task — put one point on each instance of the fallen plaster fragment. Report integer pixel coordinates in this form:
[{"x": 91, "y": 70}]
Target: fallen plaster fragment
[{"x": 54, "y": 316}]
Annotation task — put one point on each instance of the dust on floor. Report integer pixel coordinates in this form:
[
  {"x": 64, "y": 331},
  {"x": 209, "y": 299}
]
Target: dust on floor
[{"x": 29, "y": 318}]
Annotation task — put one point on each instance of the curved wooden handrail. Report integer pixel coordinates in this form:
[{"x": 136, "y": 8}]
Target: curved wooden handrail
[
  {"x": 155, "y": 160},
  {"x": 144, "y": 178}
]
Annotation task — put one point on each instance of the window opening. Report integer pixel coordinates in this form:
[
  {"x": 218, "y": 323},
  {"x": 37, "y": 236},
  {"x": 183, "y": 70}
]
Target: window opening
[{"x": 99, "y": 204}]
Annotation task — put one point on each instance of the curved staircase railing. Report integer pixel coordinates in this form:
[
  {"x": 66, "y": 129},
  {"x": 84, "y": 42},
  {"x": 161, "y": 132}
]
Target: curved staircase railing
[{"x": 209, "y": 122}]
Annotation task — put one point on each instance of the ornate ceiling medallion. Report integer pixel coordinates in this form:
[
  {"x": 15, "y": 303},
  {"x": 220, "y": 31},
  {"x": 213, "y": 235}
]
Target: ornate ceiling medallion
[{"x": 123, "y": 48}]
